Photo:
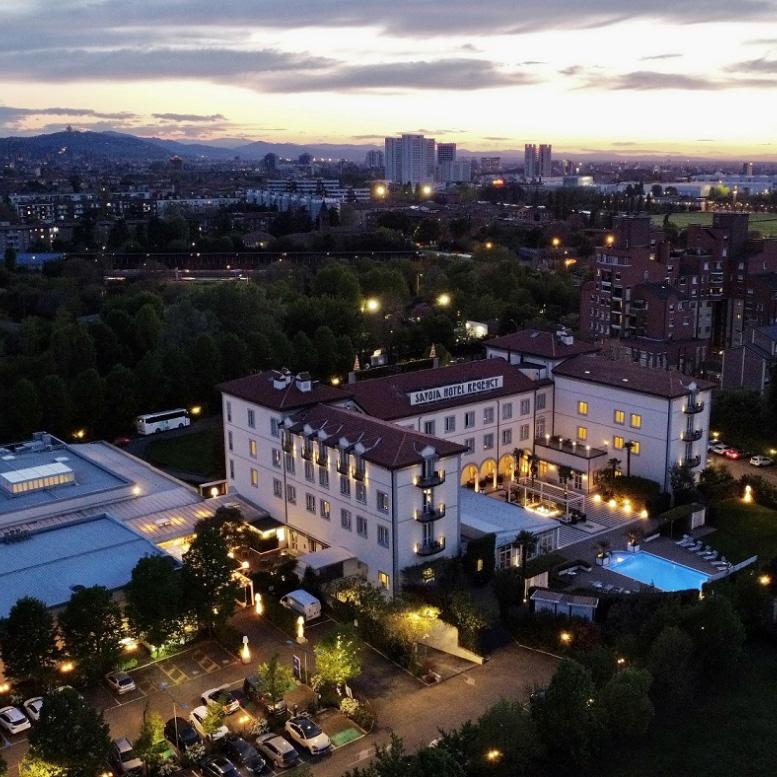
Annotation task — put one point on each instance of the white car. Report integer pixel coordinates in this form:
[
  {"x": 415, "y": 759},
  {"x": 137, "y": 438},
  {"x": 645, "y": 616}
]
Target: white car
[
  {"x": 13, "y": 720},
  {"x": 32, "y": 708},
  {"x": 718, "y": 447},
  {"x": 197, "y": 719},
  {"x": 306, "y": 733},
  {"x": 277, "y": 750},
  {"x": 221, "y": 697},
  {"x": 761, "y": 461},
  {"x": 121, "y": 682}
]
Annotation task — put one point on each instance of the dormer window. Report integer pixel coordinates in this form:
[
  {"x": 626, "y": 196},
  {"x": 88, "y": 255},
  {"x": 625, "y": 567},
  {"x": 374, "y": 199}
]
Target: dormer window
[
  {"x": 323, "y": 454},
  {"x": 359, "y": 469}
]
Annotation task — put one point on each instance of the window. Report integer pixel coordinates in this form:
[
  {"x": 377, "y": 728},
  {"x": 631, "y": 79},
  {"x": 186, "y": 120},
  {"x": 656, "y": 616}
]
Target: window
[
  {"x": 326, "y": 509},
  {"x": 539, "y": 430},
  {"x": 310, "y": 503},
  {"x": 275, "y": 429},
  {"x": 577, "y": 480},
  {"x": 383, "y": 536},
  {"x": 635, "y": 421},
  {"x": 382, "y": 501},
  {"x": 277, "y": 488},
  {"x": 361, "y": 493},
  {"x": 251, "y": 446},
  {"x": 290, "y": 463},
  {"x": 617, "y": 442},
  {"x": 361, "y": 526},
  {"x": 635, "y": 448},
  {"x": 469, "y": 419},
  {"x": 345, "y": 486},
  {"x": 524, "y": 431},
  {"x": 232, "y": 469},
  {"x": 488, "y": 441},
  {"x": 345, "y": 519},
  {"x": 291, "y": 494},
  {"x": 539, "y": 402},
  {"x": 525, "y": 406},
  {"x": 582, "y": 407},
  {"x": 507, "y": 411},
  {"x": 323, "y": 478},
  {"x": 507, "y": 436},
  {"x": 251, "y": 418},
  {"x": 383, "y": 580},
  {"x": 276, "y": 457},
  {"x": 582, "y": 433},
  {"x": 429, "y": 427},
  {"x": 488, "y": 415},
  {"x": 254, "y": 478},
  {"x": 619, "y": 417},
  {"x": 309, "y": 471},
  {"x": 469, "y": 444},
  {"x": 229, "y": 441},
  {"x": 450, "y": 423},
  {"x": 229, "y": 411}
]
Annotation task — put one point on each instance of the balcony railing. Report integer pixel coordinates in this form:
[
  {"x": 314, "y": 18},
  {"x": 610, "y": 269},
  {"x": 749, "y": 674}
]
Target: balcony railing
[
  {"x": 694, "y": 407},
  {"x": 692, "y": 461},
  {"x": 287, "y": 443},
  {"x": 343, "y": 468},
  {"x": 358, "y": 473},
  {"x": 431, "y": 480},
  {"x": 306, "y": 453},
  {"x": 691, "y": 435},
  {"x": 322, "y": 459},
  {"x": 429, "y": 514},
  {"x": 430, "y": 548}
]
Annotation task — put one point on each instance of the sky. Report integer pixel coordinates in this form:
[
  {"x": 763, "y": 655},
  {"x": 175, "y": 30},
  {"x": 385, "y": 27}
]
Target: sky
[{"x": 640, "y": 77}]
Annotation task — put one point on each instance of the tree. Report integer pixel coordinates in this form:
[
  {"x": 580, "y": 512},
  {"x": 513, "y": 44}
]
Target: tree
[
  {"x": 88, "y": 394},
  {"x": 275, "y": 678},
  {"x": 26, "y": 415},
  {"x": 91, "y": 626},
  {"x": 148, "y": 327},
  {"x": 682, "y": 483},
  {"x": 71, "y": 735},
  {"x": 154, "y": 596},
  {"x": 508, "y": 589},
  {"x": 304, "y": 353},
  {"x": 10, "y": 259},
  {"x": 56, "y": 406},
  {"x": 31, "y": 766},
  {"x": 325, "y": 346},
  {"x": 670, "y": 662},
  {"x": 214, "y": 719},
  {"x": 150, "y": 745},
  {"x": 338, "y": 657},
  {"x": 235, "y": 356},
  {"x": 206, "y": 368},
  {"x": 28, "y": 641},
  {"x": 121, "y": 388},
  {"x": 626, "y": 703},
  {"x": 208, "y": 579},
  {"x": 719, "y": 635}
]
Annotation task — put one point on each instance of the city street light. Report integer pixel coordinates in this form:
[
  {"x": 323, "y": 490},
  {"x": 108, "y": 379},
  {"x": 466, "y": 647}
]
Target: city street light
[
  {"x": 371, "y": 305},
  {"x": 380, "y": 190},
  {"x": 426, "y": 190},
  {"x": 444, "y": 300}
]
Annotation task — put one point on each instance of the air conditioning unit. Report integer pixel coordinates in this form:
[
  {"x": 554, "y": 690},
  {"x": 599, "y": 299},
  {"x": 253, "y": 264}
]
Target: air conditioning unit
[{"x": 163, "y": 523}]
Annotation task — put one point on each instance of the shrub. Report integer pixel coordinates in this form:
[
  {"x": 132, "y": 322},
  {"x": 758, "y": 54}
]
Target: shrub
[{"x": 360, "y": 713}]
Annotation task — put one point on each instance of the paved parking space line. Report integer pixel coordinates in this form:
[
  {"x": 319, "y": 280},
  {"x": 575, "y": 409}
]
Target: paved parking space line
[{"x": 176, "y": 675}]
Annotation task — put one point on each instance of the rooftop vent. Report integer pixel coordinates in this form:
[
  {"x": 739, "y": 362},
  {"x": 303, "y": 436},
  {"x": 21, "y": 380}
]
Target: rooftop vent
[
  {"x": 304, "y": 382},
  {"x": 565, "y": 336},
  {"x": 282, "y": 379}
]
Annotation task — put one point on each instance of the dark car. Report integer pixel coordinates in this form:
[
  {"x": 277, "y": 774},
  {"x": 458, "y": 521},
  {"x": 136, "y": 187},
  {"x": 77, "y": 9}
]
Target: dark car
[
  {"x": 218, "y": 766},
  {"x": 244, "y": 754},
  {"x": 253, "y": 690},
  {"x": 180, "y": 733}
]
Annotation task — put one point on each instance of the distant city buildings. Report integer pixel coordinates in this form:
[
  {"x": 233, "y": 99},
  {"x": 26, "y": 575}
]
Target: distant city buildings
[
  {"x": 490, "y": 164},
  {"x": 374, "y": 160},
  {"x": 410, "y": 159},
  {"x": 537, "y": 161},
  {"x": 446, "y": 152}
]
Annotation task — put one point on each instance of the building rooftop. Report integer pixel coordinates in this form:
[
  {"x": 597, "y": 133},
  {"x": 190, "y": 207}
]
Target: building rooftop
[
  {"x": 282, "y": 390},
  {"x": 385, "y": 444},
  {"x": 51, "y": 564},
  {"x": 483, "y": 514},
  {"x": 413, "y": 393},
  {"x": 629, "y": 376},
  {"x": 535, "y": 342}
]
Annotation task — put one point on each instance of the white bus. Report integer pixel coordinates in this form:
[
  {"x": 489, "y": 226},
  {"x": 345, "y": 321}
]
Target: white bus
[{"x": 161, "y": 422}]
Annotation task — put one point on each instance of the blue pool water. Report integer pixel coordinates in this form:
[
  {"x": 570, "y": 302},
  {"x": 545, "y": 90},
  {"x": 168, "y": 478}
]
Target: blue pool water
[{"x": 656, "y": 571}]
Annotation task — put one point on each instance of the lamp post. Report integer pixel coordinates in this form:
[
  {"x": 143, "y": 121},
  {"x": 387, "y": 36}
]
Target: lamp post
[{"x": 301, "y": 631}]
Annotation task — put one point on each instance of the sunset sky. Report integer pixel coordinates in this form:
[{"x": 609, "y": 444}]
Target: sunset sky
[{"x": 646, "y": 77}]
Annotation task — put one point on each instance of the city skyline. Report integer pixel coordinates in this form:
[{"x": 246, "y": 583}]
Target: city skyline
[{"x": 661, "y": 79}]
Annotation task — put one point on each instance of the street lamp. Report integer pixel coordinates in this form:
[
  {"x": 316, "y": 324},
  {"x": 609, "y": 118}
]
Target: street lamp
[
  {"x": 258, "y": 605},
  {"x": 444, "y": 300},
  {"x": 371, "y": 305},
  {"x": 301, "y": 630},
  {"x": 380, "y": 190},
  {"x": 426, "y": 190}
]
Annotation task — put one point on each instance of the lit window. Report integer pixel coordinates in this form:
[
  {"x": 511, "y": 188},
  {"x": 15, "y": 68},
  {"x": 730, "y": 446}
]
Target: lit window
[
  {"x": 582, "y": 433},
  {"x": 254, "y": 478},
  {"x": 382, "y": 501},
  {"x": 619, "y": 417},
  {"x": 617, "y": 442},
  {"x": 310, "y": 503},
  {"x": 635, "y": 448},
  {"x": 582, "y": 407},
  {"x": 383, "y": 580},
  {"x": 251, "y": 447},
  {"x": 636, "y": 421},
  {"x": 326, "y": 509}
]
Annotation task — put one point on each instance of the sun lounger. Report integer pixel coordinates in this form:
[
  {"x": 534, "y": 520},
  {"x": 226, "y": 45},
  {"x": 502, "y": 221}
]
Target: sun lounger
[
  {"x": 711, "y": 556},
  {"x": 596, "y": 584},
  {"x": 684, "y": 540},
  {"x": 693, "y": 548},
  {"x": 609, "y": 587}
]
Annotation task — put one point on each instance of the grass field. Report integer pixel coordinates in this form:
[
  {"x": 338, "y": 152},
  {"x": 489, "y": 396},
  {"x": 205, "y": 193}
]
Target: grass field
[
  {"x": 195, "y": 453},
  {"x": 728, "y": 730},
  {"x": 766, "y": 223},
  {"x": 745, "y": 530}
]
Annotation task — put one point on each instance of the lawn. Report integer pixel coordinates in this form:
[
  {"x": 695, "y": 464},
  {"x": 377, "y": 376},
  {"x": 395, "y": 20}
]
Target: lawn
[
  {"x": 766, "y": 223},
  {"x": 745, "y": 530},
  {"x": 727, "y": 730},
  {"x": 196, "y": 453}
]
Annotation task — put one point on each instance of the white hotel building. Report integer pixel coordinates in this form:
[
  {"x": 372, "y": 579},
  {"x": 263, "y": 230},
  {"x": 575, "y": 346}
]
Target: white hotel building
[{"x": 376, "y": 467}]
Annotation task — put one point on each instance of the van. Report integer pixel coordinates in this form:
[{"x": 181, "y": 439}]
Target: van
[{"x": 302, "y": 602}]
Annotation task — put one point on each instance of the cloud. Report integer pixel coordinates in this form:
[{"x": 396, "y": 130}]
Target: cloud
[
  {"x": 761, "y": 65},
  {"x": 494, "y": 137},
  {"x": 651, "y": 80},
  {"x": 189, "y": 117},
  {"x": 655, "y": 57},
  {"x": 572, "y": 70},
  {"x": 11, "y": 113}
]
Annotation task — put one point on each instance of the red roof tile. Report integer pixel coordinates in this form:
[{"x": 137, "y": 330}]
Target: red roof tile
[
  {"x": 259, "y": 389},
  {"x": 539, "y": 343}
]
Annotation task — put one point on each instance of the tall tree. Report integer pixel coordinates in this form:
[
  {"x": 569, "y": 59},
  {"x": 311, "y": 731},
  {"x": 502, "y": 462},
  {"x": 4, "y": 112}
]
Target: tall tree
[
  {"x": 148, "y": 327},
  {"x": 275, "y": 678},
  {"x": 25, "y": 410},
  {"x": 325, "y": 345},
  {"x": 670, "y": 662},
  {"x": 121, "y": 389},
  {"x": 206, "y": 364},
  {"x": 235, "y": 356},
  {"x": 151, "y": 745},
  {"x": 338, "y": 657},
  {"x": 88, "y": 394},
  {"x": 56, "y": 406},
  {"x": 626, "y": 703},
  {"x": 154, "y": 595},
  {"x": 28, "y": 641}
]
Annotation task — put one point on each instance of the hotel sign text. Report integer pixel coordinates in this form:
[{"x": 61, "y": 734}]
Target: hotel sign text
[{"x": 454, "y": 390}]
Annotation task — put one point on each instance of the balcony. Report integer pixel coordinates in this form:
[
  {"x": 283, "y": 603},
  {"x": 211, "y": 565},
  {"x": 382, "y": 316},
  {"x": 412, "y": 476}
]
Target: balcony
[
  {"x": 691, "y": 435},
  {"x": 692, "y": 461},
  {"x": 430, "y": 513},
  {"x": 322, "y": 460},
  {"x": 343, "y": 468},
  {"x": 287, "y": 443},
  {"x": 553, "y": 445},
  {"x": 431, "y": 480},
  {"x": 693, "y": 407},
  {"x": 306, "y": 453},
  {"x": 358, "y": 473},
  {"x": 430, "y": 548}
]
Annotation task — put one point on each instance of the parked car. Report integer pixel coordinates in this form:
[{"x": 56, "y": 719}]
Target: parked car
[
  {"x": 733, "y": 453},
  {"x": 122, "y": 442},
  {"x": 244, "y": 754},
  {"x": 219, "y": 766},
  {"x": 306, "y": 733},
  {"x": 13, "y": 720},
  {"x": 181, "y": 734},
  {"x": 32, "y": 708},
  {"x": 278, "y": 751},
  {"x": 303, "y": 603},
  {"x": 121, "y": 682},
  {"x": 718, "y": 447},
  {"x": 253, "y": 690},
  {"x": 761, "y": 461},
  {"x": 221, "y": 697},
  {"x": 123, "y": 759},
  {"x": 197, "y": 719}
]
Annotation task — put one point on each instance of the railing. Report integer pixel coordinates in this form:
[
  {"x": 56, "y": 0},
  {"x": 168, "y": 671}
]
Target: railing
[
  {"x": 343, "y": 468},
  {"x": 692, "y": 461},
  {"x": 694, "y": 407},
  {"x": 287, "y": 443},
  {"x": 430, "y": 481},
  {"x": 322, "y": 459},
  {"x": 429, "y": 514},
  {"x": 358, "y": 473},
  {"x": 430, "y": 548},
  {"x": 306, "y": 453},
  {"x": 691, "y": 435}
]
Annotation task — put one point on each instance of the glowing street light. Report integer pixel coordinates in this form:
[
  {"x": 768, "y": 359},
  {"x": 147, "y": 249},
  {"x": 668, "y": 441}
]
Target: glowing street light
[
  {"x": 493, "y": 755},
  {"x": 488, "y": 245},
  {"x": 426, "y": 190},
  {"x": 245, "y": 651},
  {"x": 748, "y": 497},
  {"x": 66, "y": 667},
  {"x": 301, "y": 630},
  {"x": 556, "y": 242},
  {"x": 765, "y": 580},
  {"x": 371, "y": 305},
  {"x": 565, "y": 637},
  {"x": 258, "y": 605},
  {"x": 196, "y": 410},
  {"x": 380, "y": 190},
  {"x": 610, "y": 239},
  {"x": 444, "y": 300}
]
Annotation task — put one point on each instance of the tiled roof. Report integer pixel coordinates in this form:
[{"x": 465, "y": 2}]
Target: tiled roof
[
  {"x": 259, "y": 389},
  {"x": 538, "y": 343},
  {"x": 385, "y": 444},
  {"x": 629, "y": 376},
  {"x": 389, "y": 398}
]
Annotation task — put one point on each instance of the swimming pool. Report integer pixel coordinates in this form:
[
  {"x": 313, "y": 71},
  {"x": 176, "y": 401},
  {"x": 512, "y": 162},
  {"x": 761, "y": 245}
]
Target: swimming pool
[{"x": 656, "y": 571}]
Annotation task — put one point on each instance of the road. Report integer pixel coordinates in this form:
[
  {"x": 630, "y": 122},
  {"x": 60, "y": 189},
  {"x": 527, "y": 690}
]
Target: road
[{"x": 742, "y": 467}]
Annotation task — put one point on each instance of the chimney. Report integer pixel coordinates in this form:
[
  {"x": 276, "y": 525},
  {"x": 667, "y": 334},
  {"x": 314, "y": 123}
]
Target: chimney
[
  {"x": 565, "y": 336},
  {"x": 281, "y": 380},
  {"x": 304, "y": 382}
]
